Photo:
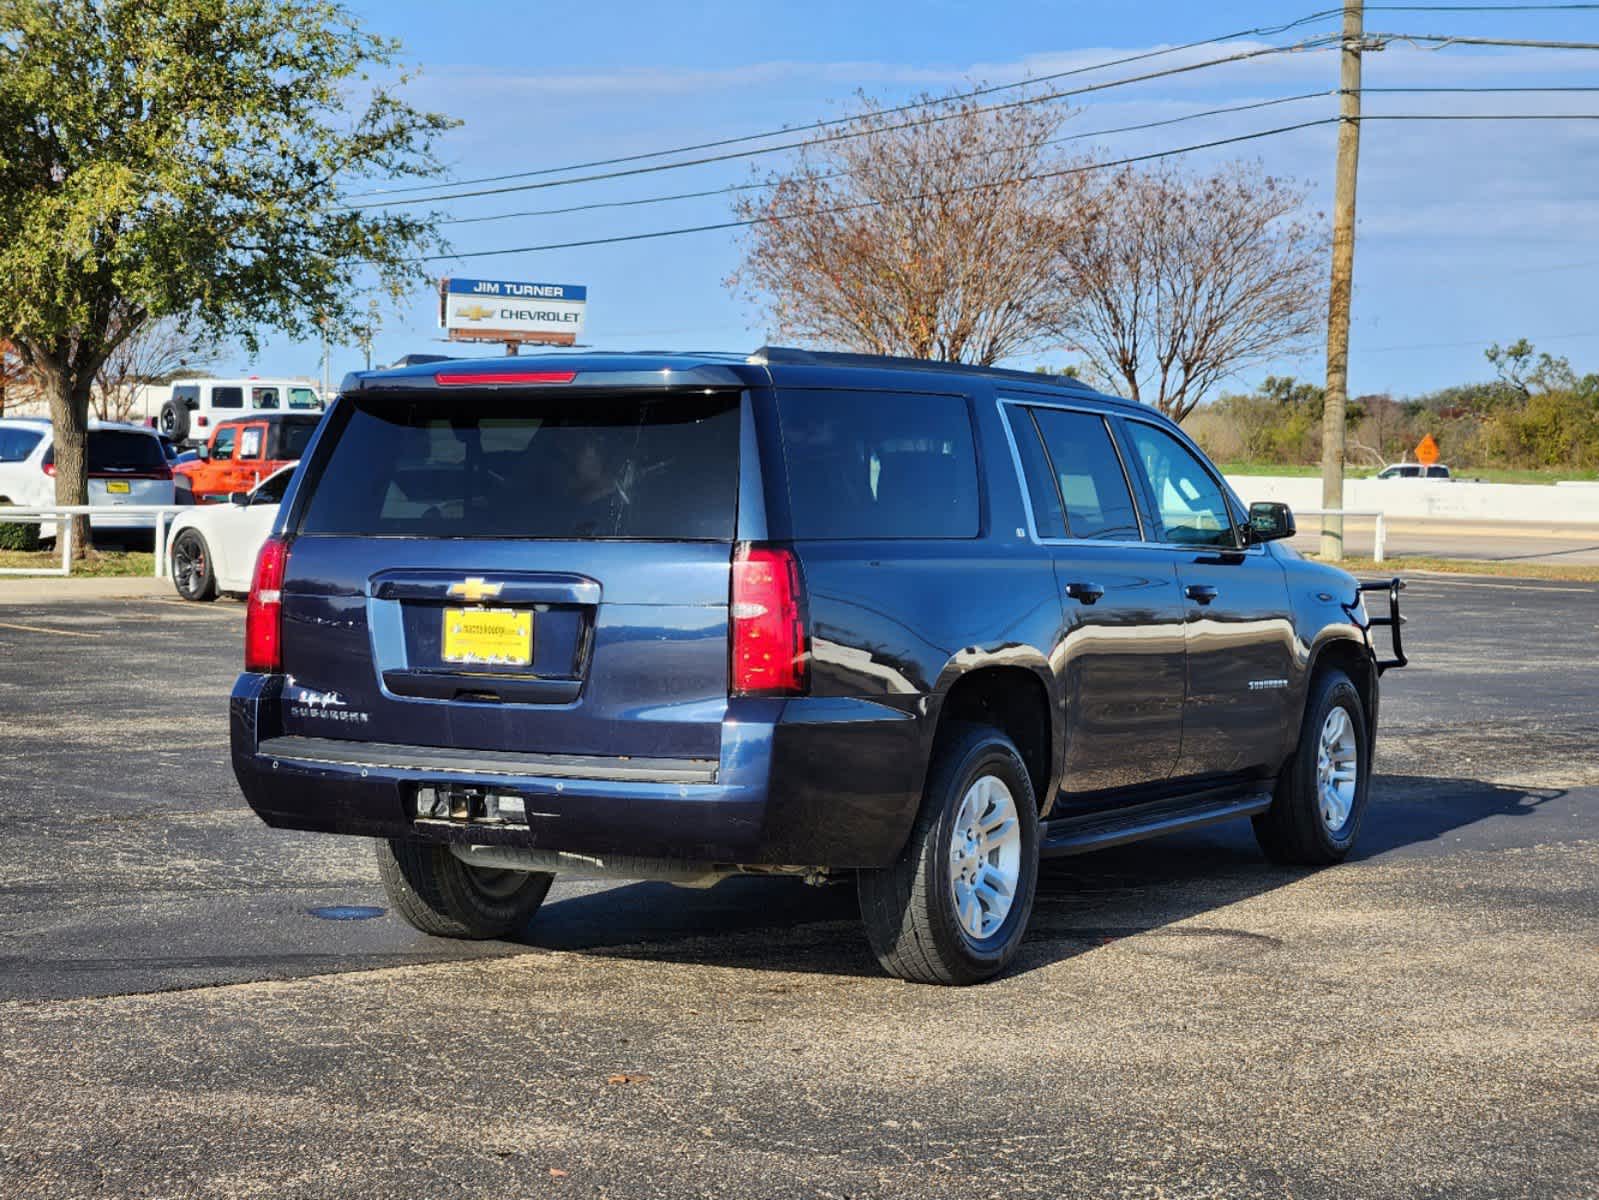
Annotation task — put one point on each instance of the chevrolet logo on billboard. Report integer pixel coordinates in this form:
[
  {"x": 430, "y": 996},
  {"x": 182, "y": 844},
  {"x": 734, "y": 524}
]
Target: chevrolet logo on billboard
[{"x": 474, "y": 312}]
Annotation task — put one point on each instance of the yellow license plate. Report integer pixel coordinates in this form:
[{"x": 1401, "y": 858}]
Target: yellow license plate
[
  {"x": 118, "y": 487},
  {"x": 499, "y": 637}
]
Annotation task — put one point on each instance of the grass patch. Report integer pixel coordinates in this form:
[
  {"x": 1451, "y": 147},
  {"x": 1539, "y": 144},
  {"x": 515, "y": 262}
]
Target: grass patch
[
  {"x": 102, "y": 563},
  {"x": 1485, "y": 474},
  {"x": 1570, "y": 572}
]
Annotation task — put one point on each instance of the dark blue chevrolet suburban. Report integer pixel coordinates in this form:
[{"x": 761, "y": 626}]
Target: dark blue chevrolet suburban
[{"x": 683, "y": 616}]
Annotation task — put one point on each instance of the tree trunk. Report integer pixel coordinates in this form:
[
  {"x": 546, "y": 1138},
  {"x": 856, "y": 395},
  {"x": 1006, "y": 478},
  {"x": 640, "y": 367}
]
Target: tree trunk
[{"x": 69, "y": 419}]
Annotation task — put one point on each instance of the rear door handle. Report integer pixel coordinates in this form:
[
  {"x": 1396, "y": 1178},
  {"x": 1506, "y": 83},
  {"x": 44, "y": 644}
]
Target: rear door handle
[
  {"x": 1084, "y": 593},
  {"x": 1202, "y": 592}
]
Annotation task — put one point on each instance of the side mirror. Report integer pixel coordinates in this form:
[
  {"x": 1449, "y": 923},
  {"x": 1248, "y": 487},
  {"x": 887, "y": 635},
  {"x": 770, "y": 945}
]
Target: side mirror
[
  {"x": 1270, "y": 521},
  {"x": 202, "y": 452},
  {"x": 242, "y": 499}
]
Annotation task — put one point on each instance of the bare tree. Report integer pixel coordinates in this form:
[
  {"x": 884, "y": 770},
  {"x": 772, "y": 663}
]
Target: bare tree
[
  {"x": 1186, "y": 279},
  {"x": 898, "y": 234},
  {"x": 12, "y": 373},
  {"x": 153, "y": 353}
]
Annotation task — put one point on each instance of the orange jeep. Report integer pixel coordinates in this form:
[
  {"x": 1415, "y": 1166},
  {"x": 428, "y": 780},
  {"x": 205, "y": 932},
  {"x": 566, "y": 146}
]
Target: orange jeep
[{"x": 242, "y": 452}]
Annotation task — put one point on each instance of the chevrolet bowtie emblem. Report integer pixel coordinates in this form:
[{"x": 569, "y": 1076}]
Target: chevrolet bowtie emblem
[
  {"x": 475, "y": 588},
  {"x": 474, "y": 312}
]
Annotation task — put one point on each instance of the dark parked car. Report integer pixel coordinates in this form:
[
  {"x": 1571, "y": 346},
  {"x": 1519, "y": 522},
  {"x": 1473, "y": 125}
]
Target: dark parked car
[{"x": 678, "y": 617}]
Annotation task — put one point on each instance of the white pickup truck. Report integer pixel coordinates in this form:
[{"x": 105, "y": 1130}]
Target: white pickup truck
[{"x": 1414, "y": 471}]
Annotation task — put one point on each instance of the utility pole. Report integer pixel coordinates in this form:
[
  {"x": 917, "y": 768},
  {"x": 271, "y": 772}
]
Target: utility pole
[
  {"x": 326, "y": 387},
  {"x": 1343, "y": 269}
]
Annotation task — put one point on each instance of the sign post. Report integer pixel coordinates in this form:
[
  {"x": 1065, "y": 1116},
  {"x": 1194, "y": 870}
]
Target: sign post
[{"x": 497, "y": 310}]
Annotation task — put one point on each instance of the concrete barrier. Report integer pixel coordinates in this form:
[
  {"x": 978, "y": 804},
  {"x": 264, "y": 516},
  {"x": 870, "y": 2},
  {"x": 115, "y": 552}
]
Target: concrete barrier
[{"x": 1454, "y": 499}]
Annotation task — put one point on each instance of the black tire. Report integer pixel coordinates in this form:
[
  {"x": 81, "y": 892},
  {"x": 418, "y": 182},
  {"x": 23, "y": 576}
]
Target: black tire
[
  {"x": 910, "y": 908},
  {"x": 174, "y": 420},
  {"x": 193, "y": 573},
  {"x": 443, "y": 896},
  {"x": 1292, "y": 830}
]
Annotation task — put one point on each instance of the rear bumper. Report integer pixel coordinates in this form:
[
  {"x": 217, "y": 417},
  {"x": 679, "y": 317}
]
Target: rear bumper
[{"x": 809, "y": 782}]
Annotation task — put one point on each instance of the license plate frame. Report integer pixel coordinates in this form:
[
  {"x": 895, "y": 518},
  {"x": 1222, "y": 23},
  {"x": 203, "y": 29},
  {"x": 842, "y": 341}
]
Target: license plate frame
[{"x": 486, "y": 637}]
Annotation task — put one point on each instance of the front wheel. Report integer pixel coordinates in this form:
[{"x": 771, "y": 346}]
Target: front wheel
[
  {"x": 1321, "y": 795},
  {"x": 443, "y": 896},
  {"x": 954, "y": 908}
]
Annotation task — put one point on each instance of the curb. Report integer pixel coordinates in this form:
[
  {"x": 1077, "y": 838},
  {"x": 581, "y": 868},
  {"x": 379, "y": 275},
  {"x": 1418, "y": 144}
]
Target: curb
[{"x": 58, "y": 590}]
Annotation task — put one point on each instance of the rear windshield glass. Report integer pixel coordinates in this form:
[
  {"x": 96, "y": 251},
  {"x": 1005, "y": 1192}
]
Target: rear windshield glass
[
  {"x": 879, "y": 465},
  {"x": 531, "y": 467},
  {"x": 114, "y": 450}
]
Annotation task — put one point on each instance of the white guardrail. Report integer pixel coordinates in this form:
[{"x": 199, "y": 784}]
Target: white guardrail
[
  {"x": 64, "y": 529},
  {"x": 1379, "y": 539}
]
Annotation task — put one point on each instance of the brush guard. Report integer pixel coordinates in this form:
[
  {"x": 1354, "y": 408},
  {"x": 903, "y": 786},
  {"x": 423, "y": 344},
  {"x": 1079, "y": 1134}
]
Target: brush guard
[{"x": 1394, "y": 622}]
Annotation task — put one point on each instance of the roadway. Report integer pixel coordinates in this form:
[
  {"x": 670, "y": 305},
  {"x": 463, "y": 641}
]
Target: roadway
[
  {"x": 1185, "y": 1019},
  {"x": 1497, "y": 541}
]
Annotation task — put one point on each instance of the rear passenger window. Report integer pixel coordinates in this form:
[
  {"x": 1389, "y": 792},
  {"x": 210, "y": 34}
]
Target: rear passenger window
[
  {"x": 1042, "y": 494},
  {"x": 879, "y": 464},
  {"x": 1093, "y": 489},
  {"x": 227, "y": 397}
]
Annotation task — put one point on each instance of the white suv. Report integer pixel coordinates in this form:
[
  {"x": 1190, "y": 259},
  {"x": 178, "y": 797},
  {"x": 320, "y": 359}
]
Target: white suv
[
  {"x": 126, "y": 465},
  {"x": 196, "y": 405}
]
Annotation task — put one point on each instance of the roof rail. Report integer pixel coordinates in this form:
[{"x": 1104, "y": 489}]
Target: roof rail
[{"x": 838, "y": 358}]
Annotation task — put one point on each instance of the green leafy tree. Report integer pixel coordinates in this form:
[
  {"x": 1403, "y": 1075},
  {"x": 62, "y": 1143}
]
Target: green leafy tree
[
  {"x": 189, "y": 159},
  {"x": 1522, "y": 367}
]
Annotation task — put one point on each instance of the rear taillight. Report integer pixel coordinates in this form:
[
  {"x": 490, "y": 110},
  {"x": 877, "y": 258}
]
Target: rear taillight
[
  {"x": 202, "y": 421},
  {"x": 48, "y": 467},
  {"x": 769, "y": 652},
  {"x": 263, "y": 616}
]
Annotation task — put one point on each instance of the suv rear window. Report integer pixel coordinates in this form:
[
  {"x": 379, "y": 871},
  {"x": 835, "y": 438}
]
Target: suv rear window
[
  {"x": 879, "y": 465},
  {"x": 530, "y": 466},
  {"x": 116, "y": 450}
]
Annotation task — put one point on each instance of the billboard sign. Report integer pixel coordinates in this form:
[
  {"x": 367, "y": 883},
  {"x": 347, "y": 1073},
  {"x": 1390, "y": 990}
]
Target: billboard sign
[{"x": 497, "y": 310}]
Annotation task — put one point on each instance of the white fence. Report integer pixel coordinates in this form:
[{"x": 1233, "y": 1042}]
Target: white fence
[
  {"x": 64, "y": 529},
  {"x": 1445, "y": 499},
  {"x": 1380, "y": 538}
]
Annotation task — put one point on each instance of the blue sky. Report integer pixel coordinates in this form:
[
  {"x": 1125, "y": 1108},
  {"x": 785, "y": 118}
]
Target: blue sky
[{"x": 1469, "y": 232}]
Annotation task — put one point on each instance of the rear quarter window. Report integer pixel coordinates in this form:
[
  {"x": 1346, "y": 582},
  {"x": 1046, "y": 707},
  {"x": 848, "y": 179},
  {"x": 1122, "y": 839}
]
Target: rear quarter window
[
  {"x": 879, "y": 464},
  {"x": 530, "y": 466},
  {"x": 17, "y": 444}
]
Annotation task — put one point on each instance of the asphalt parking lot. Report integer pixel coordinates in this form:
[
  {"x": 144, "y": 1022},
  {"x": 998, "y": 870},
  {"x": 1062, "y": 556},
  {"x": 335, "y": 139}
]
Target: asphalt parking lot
[{"x": 1186, "y": 1020}]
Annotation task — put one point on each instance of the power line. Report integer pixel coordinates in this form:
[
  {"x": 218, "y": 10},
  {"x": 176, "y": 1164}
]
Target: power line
[
  {"x": 1546, "y": 337},
  {"x": 788, "y": 131},
  {"x": 931, "y": 120},
  {"x": 1473, "y": 89},
  {"x": 1471, "y": 8},
  {"x": 1446, "y": 39},
  {"x": 746, "y": 187},
  {"x": 1480, "y": 117},
  {"x": 747, "y": 222}
]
